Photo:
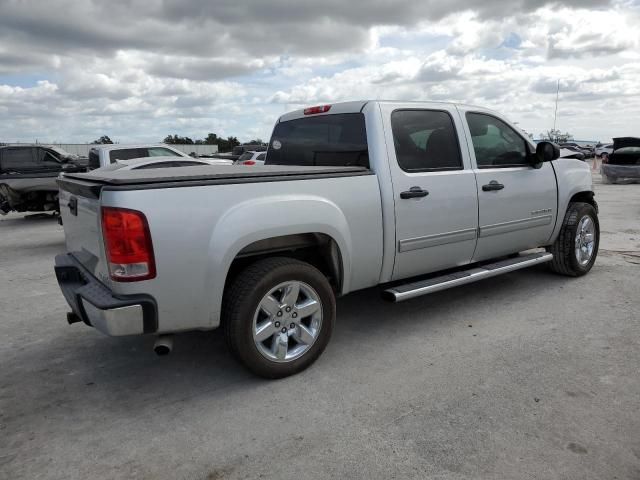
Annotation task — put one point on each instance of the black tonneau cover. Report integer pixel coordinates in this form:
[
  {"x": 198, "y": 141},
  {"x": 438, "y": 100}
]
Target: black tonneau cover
[{"x": 91, "y": 183}]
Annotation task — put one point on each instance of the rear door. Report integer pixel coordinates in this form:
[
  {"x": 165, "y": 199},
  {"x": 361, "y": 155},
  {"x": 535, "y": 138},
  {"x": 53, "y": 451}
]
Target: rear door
[
  {"x": 517, "y": 203},
  {"x": 434, "y": 189}
]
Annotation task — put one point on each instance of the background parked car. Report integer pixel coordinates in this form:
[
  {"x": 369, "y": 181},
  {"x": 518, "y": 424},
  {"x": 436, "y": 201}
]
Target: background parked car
[
  {"x": 604, "y": 150},
  {"x": 251, "y": 158},
  {"x": 586, "y": 151},
  {"x": 161, "y": 162},
  {"x": 570, "y": 152},
  {"x": 624, "y": 161},
  {"x": 28, "y": 176},
  {"x": 103, "y": 155}
]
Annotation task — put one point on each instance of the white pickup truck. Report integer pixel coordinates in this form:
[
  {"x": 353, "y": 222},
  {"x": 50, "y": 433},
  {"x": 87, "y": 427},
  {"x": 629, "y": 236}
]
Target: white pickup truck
[
  {"x": 106, "y": 155},
  {"x": 415, "y": 197}
]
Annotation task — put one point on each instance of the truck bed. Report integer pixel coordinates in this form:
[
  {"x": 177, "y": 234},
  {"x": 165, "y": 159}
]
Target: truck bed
[
  {"x": 206, "y": 175},
  {"x": 200, "y": 218}
]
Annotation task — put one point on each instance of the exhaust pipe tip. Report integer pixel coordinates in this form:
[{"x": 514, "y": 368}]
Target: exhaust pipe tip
[
  {"x": 73, "y": 318},
  {"x": 163, "y": 345}
]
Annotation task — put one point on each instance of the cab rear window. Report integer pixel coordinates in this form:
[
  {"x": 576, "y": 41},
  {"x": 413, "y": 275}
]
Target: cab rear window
[{"x": 326, "y": 140}]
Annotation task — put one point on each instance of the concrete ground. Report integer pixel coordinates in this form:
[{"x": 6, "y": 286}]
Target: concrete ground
[{"x": 528, "y": 375}]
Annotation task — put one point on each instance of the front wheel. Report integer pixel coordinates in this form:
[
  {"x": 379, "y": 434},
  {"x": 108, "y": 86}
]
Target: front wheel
[
  {"x": 576, "y": 248},
  {"x": 278, "y": 316}
]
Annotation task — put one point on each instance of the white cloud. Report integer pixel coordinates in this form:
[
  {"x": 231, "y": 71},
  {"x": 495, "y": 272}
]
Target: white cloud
[{"x": 193, "y": 67}]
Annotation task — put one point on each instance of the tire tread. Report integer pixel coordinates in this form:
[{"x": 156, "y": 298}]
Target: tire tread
[
  {"x": 243, "y": 288},
  {"x": 563, "y": 248}
]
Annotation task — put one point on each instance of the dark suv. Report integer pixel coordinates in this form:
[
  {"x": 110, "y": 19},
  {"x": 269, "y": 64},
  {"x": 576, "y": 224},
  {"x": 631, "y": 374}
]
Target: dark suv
[{"x": 28, "y": 177}]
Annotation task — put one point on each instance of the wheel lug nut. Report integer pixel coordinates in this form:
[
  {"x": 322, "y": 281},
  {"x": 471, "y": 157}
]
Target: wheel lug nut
[
  {"x": 277, "y": 324},
  {"x": 293, "y": 325},
  {"x": 284, "y": 330},
  {"x": 288, "y": 309},
  {"x": 294, "y": 314},
  {"x": 279, "y": 313}
]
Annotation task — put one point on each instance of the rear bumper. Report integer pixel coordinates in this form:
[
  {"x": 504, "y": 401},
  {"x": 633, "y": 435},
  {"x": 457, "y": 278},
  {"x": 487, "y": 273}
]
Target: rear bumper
[
  {"x": 97, "y": 306},
  {"x": 621, "y": 171}
]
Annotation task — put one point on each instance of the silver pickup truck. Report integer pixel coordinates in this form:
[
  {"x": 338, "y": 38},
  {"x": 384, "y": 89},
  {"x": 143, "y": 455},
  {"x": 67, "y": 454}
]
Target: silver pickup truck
[{"x": 414, "y": 197}]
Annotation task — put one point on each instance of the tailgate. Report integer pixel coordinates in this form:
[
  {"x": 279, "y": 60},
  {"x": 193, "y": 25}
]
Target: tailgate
[{"x": 80, "y": 213}]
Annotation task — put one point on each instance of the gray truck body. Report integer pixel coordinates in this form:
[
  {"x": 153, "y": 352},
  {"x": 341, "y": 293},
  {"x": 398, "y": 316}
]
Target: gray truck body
[{"x": 203, "y": 219}]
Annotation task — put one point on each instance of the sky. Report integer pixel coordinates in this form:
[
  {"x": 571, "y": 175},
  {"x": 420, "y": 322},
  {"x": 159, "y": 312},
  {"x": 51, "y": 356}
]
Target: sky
[{"x": 72, "y": 71}]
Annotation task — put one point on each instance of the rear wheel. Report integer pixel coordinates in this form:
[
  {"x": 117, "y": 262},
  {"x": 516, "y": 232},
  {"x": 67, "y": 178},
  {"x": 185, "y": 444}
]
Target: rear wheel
[
  {"x": 278, "y": 316},
  {"x": 576, "y": 248}
]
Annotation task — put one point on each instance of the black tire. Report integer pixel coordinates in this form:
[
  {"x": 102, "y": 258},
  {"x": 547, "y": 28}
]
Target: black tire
[
  {"x": 564, "y": 260},
  {"x": 242, "y": 298}
]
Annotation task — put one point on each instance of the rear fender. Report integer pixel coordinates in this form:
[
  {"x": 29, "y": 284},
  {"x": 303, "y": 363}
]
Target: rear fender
[{"x": 269, "y": 217}]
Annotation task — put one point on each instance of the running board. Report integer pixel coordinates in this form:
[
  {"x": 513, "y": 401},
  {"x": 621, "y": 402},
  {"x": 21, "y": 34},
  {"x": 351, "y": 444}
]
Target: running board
[{"x": 424, "y": 287}]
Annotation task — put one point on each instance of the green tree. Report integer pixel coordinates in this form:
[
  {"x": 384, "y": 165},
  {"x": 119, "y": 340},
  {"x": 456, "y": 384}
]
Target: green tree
[
  {"x": 103, "y": 140},
  {"x": 178, "y": 140},
  {"x": 556, "y": 136},
  {"x": 226, "y": 145},
  {"x": 211, "y": 139}
]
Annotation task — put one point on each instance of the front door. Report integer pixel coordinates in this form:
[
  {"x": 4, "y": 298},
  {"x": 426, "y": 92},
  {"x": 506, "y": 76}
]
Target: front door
[
  {"x": 434, "y": 190},
  {"x": 517, "y": 203}
]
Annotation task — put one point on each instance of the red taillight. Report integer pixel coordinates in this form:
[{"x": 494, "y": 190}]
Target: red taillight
[
  {"x": 248, "y": 162},
  {"x": 318, "y": 109},
  {"x": 127, "y": 241}
]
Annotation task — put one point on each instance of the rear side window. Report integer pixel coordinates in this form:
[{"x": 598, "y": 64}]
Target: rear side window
[
  {"x": 18, "y": 159},
  {"x": 262, "y": 156},
  {"x": 29, "y": 160},
  {"x": 245, "y": 156},
  {"x": 127, "y": 154},
  {"x": 327, "y": 140},
  {"x": 495, "y": 143},
  {"x": 425, "y": 140},
  {"x": 161, "y": 152}
]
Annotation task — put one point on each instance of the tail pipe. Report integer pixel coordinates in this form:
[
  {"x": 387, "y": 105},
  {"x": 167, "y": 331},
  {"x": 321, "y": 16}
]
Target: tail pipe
[{"x": 163, "y": 345}]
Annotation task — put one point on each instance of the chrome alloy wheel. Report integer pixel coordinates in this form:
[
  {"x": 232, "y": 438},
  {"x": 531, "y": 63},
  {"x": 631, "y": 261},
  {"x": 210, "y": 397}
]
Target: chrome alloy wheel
[
  {"x": 585, "y": 241},
  {"x": 287, "y": 321}
]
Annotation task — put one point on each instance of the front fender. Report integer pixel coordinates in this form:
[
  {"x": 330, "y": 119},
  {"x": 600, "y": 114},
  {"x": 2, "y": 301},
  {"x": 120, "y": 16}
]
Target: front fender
[
  {"x": 573, "y": 176},
  {"x": 268, "y": 217}
]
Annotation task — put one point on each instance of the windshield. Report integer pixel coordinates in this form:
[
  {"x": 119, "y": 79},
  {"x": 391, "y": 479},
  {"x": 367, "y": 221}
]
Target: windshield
[{"x": 245, "y": 156}]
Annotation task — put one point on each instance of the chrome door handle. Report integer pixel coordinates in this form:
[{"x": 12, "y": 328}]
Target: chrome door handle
[
  {"x": 414, "y": 192},
  {"x": 492, "y": 186}
]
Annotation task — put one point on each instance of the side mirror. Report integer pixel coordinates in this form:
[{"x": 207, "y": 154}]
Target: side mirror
[{"x": 547, "y": 151}]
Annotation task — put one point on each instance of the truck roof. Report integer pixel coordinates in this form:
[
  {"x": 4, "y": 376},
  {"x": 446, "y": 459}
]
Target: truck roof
[{"x": 357, "y": 106}]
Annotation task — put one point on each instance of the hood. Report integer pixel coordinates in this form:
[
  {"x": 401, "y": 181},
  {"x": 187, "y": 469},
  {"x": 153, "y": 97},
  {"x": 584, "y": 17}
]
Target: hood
[{"x": 624, "y": 142}]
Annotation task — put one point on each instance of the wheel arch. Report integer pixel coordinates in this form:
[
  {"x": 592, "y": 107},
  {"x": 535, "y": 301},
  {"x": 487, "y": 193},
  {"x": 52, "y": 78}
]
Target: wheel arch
[
  {"x": 305, "y": 227},
  {"x": 586, "y": 196}
]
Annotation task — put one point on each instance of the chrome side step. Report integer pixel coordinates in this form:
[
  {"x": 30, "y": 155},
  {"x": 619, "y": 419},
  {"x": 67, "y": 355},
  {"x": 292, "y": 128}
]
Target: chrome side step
[{"x": 424, "y": 287}]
